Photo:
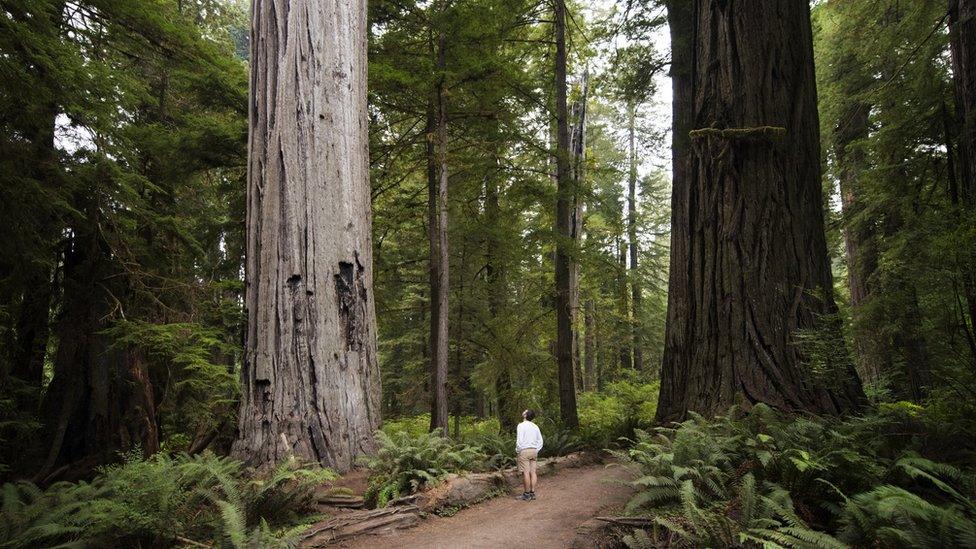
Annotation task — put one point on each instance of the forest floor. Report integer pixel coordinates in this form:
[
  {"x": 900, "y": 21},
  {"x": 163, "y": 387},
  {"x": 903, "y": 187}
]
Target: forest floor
[{"x": 564, "y": 501}]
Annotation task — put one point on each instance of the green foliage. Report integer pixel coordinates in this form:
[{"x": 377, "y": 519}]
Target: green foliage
[
  {"x": 406, "y": 463},
  {"x": 616, "y": 411},
  {"x": 776, "y": 481},
  {"x": 483, "y": 434},
  {"x": 498, "y": 447},
  {"x": 164, "y": 501}
]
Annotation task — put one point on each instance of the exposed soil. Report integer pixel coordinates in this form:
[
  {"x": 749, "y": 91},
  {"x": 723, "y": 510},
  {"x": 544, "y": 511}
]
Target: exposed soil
[{"x": 564, "y": 501}]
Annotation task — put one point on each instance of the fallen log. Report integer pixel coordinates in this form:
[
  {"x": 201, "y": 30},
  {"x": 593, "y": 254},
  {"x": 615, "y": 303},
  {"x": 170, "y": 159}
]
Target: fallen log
[
  {"x": 634, "y": 522},
  {"x": 358, "y": 523},
  {"x": 344, "y": 501}
]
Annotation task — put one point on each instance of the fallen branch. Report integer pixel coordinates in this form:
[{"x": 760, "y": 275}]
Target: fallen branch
[
  {"x": 359, "y": 523},
  {"x": 635, "y": 522}
]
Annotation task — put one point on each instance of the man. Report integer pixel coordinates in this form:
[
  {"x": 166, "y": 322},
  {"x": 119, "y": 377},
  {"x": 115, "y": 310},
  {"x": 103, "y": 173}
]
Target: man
[{"x": 528, "y": 442}]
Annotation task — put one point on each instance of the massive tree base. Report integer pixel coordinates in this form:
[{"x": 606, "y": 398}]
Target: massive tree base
[
  {"x": 753, "y": 319},
  {"x": 311, "y": 381}
]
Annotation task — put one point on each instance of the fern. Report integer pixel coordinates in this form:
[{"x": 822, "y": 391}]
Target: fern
[
  {"x": 161, "y": 501},
  {"x": 406, "y": 463},
  {"x": 748, "y": 481}
]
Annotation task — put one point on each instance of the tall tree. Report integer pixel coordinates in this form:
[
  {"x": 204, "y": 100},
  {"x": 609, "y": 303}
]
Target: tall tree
[
  {"x": 680, "y": 308},
  {"x": 962, "y": 32},
  {"x": 437, "y": 218},
  {"x": 311, "y": 382},
  {"x": 758, "y": 269},
  {"x": 635, "y": 288},
  {"x": 564, "y": 258},
  {"x": 962, "y": 45}
]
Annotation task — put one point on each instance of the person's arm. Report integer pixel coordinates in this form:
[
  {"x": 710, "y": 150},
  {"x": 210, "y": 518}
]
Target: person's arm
[{"x": 519, "y": 438}]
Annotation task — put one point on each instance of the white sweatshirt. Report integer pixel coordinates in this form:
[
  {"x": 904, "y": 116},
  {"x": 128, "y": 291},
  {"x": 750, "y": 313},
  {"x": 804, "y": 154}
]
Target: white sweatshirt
[{"x": 528, "y": 436}]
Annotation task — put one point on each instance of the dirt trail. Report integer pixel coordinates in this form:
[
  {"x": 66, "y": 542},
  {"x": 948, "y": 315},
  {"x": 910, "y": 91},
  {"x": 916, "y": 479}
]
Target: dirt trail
[{"x": 563, "y": 502}]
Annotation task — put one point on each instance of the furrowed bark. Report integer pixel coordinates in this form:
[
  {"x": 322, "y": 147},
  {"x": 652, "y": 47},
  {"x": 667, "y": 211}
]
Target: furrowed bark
[
  {"x": 310, "y": 377},
  {"x": 757, "y": 263}
]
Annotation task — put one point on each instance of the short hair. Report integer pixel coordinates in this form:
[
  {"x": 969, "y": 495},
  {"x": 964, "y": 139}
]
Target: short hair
[{"x": 530, "y": 414}]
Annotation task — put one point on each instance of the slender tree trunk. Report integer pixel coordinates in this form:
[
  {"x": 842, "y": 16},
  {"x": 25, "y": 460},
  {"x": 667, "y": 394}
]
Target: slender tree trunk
[
  {"x": 33, "y": 327},
  {"x": 577, "y": 115},
  {"x": 311, "y": 385},
  {"x": 439, "y": 259},
  {"x": 859, "y": 239},
  {"x": 565, "y": 194},
  {"x": 589, "y": 342},
  {"x": 635, "y": 288},
  {"x": 623, "y": 308},
  {"x": 962, "y": 41},
  {"x": 33, "y": 319},
  {"x": 907, "y": 349},
  {"x": 495, "y": 274},
  {"x": 677, "y": 346},
  {"x": 759, "y": 270},
  {"x": 968, "y": 322},
  {"x": 462, "y": 381}
]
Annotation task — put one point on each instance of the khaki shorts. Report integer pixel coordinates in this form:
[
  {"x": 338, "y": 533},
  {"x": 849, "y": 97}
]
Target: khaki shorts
[{"x": 527, "y": 458}]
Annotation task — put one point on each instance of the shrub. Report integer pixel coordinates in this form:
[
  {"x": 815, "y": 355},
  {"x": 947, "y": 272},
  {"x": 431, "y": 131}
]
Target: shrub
[
  {"x": 164, "y": 501},
  {"x": 406, "y": 463}
]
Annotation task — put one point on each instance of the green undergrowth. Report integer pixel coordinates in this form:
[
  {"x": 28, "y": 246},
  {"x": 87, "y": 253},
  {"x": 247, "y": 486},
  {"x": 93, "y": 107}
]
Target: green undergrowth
[
  {"x": 164, "y": 501},
  {"x": 622, "y": 406},
  {"x": 763, "y": 479},
  {"x": 406, "y": 463}
]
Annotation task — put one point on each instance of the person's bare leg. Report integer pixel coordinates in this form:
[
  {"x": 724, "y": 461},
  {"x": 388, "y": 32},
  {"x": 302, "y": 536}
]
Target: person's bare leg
[
  {"x": 533, "y": 475},
  {"x": 527, "y": 480}
]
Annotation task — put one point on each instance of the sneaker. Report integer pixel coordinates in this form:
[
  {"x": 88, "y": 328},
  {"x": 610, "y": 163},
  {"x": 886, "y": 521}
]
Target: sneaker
[
  {"x": 532, "y": 496},
  {"x": 525, "y": 497}
]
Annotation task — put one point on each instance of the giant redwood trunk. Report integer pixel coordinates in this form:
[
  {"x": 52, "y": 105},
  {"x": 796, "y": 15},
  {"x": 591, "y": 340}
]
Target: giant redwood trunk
[
  {"x": 310, "y": 377},
  {"x": 757, "y": 267},
  {"x": 565, "y": 196}
]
